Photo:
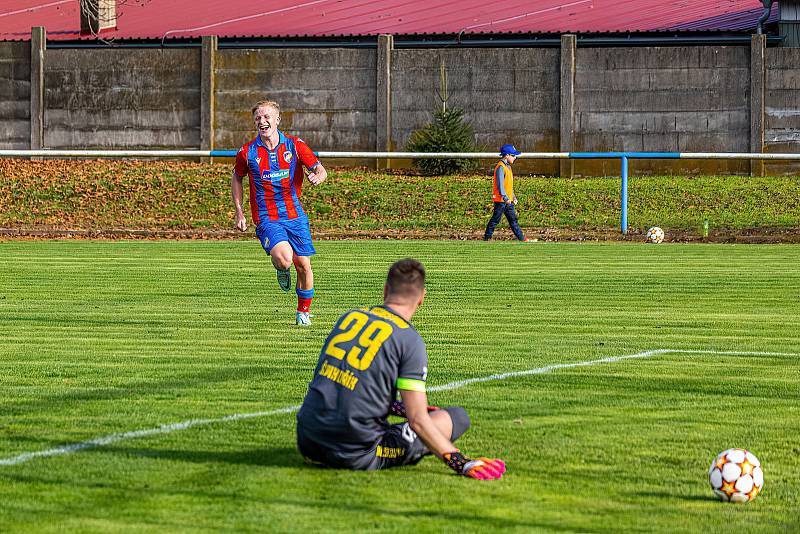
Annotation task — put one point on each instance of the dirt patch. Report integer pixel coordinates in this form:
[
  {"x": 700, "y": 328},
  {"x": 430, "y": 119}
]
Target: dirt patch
[{"x": 745, "y": 235}]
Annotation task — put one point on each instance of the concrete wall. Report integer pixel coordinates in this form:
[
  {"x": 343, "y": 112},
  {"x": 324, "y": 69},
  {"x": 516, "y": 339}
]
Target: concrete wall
[
  {"x": 327, "y": 96},
  {"x": 638, "y": 98},
  {"x": 122, "y": 98},
  {"x": 782, "y": 104},
  {"x": 15, "y": 90},
  {"x": 676, "y": 99},
  {"x": 509, "y": 95}
]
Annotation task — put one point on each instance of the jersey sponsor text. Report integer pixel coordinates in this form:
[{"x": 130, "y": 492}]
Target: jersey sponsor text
[{"x": 341, "y": 376}]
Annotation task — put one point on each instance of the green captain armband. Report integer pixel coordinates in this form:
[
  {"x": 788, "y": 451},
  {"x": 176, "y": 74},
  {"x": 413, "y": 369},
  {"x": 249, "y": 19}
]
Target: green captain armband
[{"x": 410, "y": 384}]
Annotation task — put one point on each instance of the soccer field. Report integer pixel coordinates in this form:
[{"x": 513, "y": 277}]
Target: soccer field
[{"x": 152, "y": 386}]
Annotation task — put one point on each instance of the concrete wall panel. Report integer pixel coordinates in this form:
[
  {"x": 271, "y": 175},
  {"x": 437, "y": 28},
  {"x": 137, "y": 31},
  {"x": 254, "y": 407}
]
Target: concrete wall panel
[
  {"x": 782, "y": 106},
  {"x": 506, "y": 94},
  {"x": 15, "y": 92},
  {"x": 688, "y": 99},
  {"x": 122, "y": 98},
  {"x": 327, "y": 96}
]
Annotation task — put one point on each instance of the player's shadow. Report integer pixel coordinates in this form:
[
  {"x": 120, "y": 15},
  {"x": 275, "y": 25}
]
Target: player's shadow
[
  {"x": 273, "y": 457},
  {"x": 663, "y": 495},
  {"x": 135, "y": 389}
]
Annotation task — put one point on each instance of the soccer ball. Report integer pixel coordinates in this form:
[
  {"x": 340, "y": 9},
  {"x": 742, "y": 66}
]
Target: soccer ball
[
  {"x": 655, "y": 235},
  {"x": 736, "y": 476}
]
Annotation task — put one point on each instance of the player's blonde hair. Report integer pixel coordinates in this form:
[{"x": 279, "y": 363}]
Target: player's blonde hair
[{"x": 270, "y": 103}]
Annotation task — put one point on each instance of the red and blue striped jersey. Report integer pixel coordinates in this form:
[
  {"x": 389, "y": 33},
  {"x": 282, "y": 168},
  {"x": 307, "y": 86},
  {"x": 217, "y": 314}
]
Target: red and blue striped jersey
[{"x": 276, "y": 176}]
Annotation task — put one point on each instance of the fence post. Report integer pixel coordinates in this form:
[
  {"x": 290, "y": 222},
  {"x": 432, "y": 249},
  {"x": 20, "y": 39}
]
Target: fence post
[
  {"x": 383, "y": 104},
  {"x": 568, "y": 45},
  {"x": 624, "y": 218},
  {"x": 38, "y": 45},
  {"x": 758, "y": 45},
  {"x": 207, "y": 87}
]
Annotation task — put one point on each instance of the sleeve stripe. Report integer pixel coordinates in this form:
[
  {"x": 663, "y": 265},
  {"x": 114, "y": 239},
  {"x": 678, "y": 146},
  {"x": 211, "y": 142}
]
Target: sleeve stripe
[{"x": 410, "y": 384}]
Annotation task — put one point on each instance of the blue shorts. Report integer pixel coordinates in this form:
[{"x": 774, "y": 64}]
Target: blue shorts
[{"x": 296, "y": 231}]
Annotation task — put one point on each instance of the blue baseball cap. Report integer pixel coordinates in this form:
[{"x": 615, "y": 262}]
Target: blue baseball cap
[{"x": 507, "y": 149}]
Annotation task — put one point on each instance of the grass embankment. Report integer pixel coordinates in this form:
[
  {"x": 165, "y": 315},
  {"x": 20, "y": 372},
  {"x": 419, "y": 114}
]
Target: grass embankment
[{"x": 98, "y": 195}]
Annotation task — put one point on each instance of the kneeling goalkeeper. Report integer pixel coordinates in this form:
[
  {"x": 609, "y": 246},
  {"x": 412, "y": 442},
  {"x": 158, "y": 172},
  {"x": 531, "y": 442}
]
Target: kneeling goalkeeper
[{"x": 368, "y": 357}]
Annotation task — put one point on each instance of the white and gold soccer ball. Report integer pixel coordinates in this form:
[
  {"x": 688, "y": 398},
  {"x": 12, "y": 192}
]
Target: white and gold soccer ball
[
  {"x": 655, "y": 235},
  {"x": 736, "y": 476}
]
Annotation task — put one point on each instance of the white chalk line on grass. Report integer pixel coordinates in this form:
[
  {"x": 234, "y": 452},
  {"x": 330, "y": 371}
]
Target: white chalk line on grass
[{"x": 183, "y": 425}]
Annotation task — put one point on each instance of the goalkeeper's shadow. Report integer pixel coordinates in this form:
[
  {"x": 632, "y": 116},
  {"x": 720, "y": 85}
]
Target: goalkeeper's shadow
[{"x": 266, "y": 457}]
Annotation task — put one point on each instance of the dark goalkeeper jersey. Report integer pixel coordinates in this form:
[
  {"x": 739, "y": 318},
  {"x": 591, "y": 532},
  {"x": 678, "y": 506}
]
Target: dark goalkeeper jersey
[{"x": 367, "y": 357}]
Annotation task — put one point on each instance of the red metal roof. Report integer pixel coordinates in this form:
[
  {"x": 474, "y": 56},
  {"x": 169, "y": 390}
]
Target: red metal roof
[{"x": 171, "y": 19}]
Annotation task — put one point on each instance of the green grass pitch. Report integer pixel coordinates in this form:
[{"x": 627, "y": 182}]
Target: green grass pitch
[{"x": 100, "y": 340}]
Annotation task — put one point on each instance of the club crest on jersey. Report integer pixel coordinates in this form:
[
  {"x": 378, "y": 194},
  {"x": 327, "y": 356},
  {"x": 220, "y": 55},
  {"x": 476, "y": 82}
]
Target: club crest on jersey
[{"x": 287, "y": 156}]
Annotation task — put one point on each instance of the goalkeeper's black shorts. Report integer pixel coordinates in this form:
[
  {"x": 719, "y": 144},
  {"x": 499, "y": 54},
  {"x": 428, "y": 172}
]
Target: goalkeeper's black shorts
[{"x": 398, "y": 446}]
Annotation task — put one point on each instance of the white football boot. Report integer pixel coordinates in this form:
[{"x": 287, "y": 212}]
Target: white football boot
[{"x": 303, "y": 319}]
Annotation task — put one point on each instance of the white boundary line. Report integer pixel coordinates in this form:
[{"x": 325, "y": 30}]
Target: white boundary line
[
  {"x": 183, "y": 425},
  {"x": 610, "y": 359}
]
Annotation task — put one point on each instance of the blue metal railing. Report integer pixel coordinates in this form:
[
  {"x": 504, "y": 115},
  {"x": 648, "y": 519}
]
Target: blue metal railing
[{"x": 624, "y": 157}]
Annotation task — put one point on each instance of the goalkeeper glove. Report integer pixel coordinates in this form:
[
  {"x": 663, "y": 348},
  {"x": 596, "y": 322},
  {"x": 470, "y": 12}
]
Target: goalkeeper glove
[
  {"x": 481, "y": 468},
  {"x": 398, "y": 408}
]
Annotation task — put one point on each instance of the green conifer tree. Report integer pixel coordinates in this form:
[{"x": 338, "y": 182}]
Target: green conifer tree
[{"x": 448, "y": 132}]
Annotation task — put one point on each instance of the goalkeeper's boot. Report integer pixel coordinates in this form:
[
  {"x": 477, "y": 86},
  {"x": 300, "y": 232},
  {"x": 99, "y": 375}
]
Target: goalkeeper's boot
[
  {"x": 303, "y": 319},
  {"x": 285, "y": 279}
]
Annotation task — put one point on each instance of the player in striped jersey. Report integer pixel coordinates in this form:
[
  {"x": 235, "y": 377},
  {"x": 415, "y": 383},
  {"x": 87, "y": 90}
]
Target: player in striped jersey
[{"x": 274, "y": 163}]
